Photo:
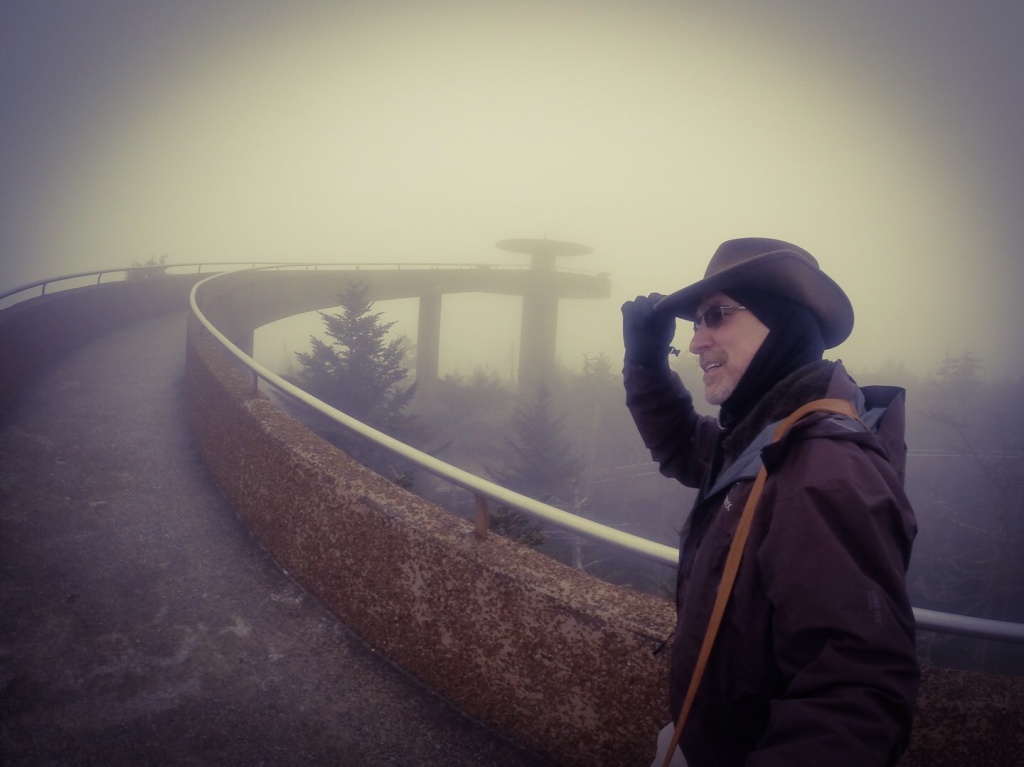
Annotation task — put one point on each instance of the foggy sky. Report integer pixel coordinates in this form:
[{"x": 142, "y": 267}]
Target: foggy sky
[{"x": 883, "y": 137}]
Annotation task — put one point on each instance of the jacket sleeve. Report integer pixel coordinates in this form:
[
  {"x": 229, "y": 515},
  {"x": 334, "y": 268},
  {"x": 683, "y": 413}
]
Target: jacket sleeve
[
  {"x": 680, "y": 440},
  {"x": 833, "y": 564}
]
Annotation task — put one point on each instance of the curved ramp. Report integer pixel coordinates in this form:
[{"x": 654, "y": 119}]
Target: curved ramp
[{"x": 142, "y": 624}]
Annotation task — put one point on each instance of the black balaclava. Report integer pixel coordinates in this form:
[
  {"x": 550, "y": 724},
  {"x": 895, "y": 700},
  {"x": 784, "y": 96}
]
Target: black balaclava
[{"x": 794, "y": 340}]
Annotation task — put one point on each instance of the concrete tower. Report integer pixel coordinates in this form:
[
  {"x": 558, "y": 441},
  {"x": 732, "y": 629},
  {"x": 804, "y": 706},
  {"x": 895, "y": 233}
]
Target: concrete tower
[{"x": 540, "y": 305}]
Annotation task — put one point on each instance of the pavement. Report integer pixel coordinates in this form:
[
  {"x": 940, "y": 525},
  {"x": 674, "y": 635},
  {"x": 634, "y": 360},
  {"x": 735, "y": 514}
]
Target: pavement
[{"x": 141, "y": 623}]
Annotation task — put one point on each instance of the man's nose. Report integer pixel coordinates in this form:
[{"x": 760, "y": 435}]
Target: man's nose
[{"x": 701, "y": 340}]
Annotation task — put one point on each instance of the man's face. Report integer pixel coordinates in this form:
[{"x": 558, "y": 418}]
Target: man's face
[{"x": 725, "y": 351}]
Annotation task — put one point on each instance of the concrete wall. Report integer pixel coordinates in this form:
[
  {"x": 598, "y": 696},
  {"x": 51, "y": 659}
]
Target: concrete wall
[
  {"x": 559, "y": 661},
  {"x": 246, "y": 300},
  {"x": 38, "y": 331},
  {"x": 967, "y": 719}
]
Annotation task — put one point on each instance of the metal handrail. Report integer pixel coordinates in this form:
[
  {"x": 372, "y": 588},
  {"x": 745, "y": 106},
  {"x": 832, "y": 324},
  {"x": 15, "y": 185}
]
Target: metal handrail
[
  {"x": 967, "y": 625},
  {"x": 480, "y": 487},
  {"x": 99, "y": 273},
  {"x": 354, "y": 265},
  {"x": 926, "y": 620}
]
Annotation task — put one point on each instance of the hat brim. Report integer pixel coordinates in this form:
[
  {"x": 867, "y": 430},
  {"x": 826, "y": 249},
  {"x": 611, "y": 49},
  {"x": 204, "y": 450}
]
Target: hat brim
[{"x": 783, "y": 273}]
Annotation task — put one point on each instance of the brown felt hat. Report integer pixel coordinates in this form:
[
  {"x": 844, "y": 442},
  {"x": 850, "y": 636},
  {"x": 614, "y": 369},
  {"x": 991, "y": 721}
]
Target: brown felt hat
[{"x": 775, "y": 267}]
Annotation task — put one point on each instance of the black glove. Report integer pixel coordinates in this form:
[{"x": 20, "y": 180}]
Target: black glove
[{"x": 647, "y": 333}]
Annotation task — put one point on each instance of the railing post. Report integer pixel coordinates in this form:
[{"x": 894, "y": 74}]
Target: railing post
[{"x": 482, "y": 513}]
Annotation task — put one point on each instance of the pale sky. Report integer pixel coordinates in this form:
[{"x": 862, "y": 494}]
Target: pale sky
[{"x": 883, "y": 137}]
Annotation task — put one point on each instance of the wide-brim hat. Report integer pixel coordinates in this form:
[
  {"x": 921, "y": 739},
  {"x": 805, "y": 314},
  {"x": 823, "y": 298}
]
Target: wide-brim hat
[{"x": 775, "y": 267}]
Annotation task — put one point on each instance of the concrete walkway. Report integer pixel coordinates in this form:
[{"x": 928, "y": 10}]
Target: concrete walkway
[{"x": 140, "y": 623}]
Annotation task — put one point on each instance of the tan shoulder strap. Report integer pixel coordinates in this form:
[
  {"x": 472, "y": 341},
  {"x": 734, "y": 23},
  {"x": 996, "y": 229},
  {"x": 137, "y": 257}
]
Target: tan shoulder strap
[{"x": 732, "y": 561}]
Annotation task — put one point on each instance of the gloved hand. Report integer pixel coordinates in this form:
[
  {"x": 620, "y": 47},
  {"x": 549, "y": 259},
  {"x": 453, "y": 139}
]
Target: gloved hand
[{"x": 646, "y": 333}]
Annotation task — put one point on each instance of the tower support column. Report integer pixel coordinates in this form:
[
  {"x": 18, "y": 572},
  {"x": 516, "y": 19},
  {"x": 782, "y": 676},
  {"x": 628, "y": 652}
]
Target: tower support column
[{"x": 428, "y": 345}]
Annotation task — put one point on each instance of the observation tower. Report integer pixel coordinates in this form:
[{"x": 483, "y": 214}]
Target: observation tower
[{"x": 541, "y": 291}]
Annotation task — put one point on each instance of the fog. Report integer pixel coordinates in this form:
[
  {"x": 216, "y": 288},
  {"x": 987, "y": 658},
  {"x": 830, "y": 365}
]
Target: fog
[{"x": 883, "y": 137}]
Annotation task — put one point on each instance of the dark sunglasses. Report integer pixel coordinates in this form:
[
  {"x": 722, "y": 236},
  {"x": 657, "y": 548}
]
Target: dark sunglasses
[{"x": 714, "y": 315}]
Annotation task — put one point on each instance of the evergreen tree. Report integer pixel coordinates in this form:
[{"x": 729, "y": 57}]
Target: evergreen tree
[
  {"x": 361, "y": 372},
  {"x": 598, "y": 408},
  {"x": 540, "y": 460},
  {"x": 539, "y": 463},
  {"x": 469, "y": 417},
  {"x": 151, "y": 267}
]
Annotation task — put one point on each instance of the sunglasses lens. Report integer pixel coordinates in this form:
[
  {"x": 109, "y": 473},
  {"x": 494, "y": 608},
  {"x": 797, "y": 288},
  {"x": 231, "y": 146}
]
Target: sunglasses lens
[{"x": 713, "y": 316}]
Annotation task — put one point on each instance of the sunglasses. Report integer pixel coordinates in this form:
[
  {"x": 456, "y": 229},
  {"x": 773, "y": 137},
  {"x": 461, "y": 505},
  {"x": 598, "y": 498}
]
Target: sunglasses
[{"x": 714, "y": 315}]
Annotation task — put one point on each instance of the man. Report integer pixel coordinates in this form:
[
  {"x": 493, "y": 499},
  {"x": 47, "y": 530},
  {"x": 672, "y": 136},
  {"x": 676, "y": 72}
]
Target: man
[{"x": 814, "y": 662}]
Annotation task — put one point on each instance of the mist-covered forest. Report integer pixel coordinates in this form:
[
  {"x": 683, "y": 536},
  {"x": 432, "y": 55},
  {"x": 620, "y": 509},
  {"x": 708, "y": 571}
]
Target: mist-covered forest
[{"x": 571, "y": 443}]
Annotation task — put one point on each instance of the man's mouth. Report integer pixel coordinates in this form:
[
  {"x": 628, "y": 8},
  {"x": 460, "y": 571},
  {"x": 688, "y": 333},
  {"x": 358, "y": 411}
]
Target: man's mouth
[{"x": 711, "y": 366}]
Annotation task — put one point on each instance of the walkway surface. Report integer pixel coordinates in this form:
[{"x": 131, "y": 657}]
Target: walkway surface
[{"x": 140, "y": 623}]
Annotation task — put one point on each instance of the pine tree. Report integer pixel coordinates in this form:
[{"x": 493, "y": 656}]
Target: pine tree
[
  {"x": 361, "y": 372},
  {"x": 540, "y": 463},
  {"x": 469, "y": 417},
  {"x": 151, "y": 267}
]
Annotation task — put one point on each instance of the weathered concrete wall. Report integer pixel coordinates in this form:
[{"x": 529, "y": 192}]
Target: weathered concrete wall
[
  {"x": 36, "y": 332},
  {"x": 246, "y": 300},
  {"x": 559, "y": 661},
  {"x": 967, "y": 719}
]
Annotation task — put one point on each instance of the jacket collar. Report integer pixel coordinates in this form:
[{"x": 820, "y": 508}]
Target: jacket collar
[
  {"x": 808, "y": 383},
  {"x": 744, "y": 444}
]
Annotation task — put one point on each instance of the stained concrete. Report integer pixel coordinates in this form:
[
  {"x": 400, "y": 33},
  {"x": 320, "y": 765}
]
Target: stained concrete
[{"x": 142, "y": 624}]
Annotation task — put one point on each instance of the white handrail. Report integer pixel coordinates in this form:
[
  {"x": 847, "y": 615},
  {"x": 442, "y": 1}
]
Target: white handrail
[
  {"x": 657, "y": 552},
  {"x": 355, "y": 265},
  {"x": 927, "y": 620},
  {"x": 966, "y": 625}
]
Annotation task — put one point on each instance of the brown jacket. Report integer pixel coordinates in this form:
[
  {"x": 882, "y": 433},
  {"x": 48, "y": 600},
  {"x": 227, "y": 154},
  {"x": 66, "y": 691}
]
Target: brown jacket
[{"x": 815, "y": 661}]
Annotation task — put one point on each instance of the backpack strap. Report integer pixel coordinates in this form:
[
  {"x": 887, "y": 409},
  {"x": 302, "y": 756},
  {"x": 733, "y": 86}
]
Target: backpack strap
[{"x": 732, "y": 561}]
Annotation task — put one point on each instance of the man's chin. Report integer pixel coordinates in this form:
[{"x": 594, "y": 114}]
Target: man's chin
[{"x": 716, "y": 394}]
